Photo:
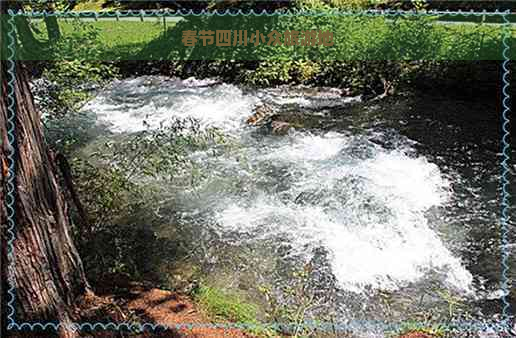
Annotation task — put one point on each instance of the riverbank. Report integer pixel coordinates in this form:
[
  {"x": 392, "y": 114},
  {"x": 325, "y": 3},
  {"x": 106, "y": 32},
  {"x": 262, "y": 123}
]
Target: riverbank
[
  {"x": 177, "y": 315},
  {"x": 152, "y": 312}
]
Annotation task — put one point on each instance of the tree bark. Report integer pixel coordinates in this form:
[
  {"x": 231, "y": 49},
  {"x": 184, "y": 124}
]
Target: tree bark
[
  {"x": 27, "y": 38},
  {"x": 48, "y": 273},
  {"x": 53, "y": 31}
]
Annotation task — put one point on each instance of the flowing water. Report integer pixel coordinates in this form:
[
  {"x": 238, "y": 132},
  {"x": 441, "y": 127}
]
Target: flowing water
[{"x": 390, "y": 213}]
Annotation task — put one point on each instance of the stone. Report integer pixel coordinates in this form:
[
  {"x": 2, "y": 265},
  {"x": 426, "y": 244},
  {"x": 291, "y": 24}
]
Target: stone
[
  {"x": 262, "y": 114},
  {"x": 280, "y": 127}
]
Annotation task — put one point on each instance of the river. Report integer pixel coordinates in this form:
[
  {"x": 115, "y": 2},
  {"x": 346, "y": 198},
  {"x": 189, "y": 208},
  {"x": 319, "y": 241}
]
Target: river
[{"x": 392, "y": 209}]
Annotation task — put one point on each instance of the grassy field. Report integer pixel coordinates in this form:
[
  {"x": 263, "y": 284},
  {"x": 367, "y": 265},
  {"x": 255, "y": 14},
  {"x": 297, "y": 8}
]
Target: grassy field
[
  {"x": 123, "y": 39},
  {"x": 118, "y": 40},
  {"x": 113, "y": 33}
]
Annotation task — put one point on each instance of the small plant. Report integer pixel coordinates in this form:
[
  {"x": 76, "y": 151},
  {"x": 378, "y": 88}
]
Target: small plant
[
  {"x": 432, "y": 330},
  {"x": 271, "y": 73},
  {"x": 454, "y": 303},
  {"x": 161, "y": 152},
  {"x": 119, "y": 184},
  {"x": 293, "y": 305},
  {"x": 224, "y": 305}
]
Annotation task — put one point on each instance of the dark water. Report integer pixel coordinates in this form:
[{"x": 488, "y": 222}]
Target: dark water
[{"x": 464, "y": 138}]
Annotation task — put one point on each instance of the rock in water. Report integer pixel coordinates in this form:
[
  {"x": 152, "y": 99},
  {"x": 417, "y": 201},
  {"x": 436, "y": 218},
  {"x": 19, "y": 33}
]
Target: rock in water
[
  {"x": 262, "y": 115},
  {"x": 280, "y": 127}
]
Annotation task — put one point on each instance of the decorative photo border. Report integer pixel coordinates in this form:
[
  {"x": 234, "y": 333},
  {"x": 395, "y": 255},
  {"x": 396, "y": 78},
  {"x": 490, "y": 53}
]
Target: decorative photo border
[{"x": 503, "y": 327}]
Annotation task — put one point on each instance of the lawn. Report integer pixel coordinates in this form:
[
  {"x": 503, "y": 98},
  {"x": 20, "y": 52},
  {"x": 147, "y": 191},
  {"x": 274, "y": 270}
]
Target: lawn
[
  {"x": 133, "y": 38},
  {"x": 118, "y": 39}
]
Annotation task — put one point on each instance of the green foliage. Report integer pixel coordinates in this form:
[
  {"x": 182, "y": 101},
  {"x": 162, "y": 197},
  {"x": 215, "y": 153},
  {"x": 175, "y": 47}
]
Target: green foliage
[
  {"x": 106, "y": 242},
  {"x": 106, "y": 191},
  {"x": 114, "y": 205},
  {"x": 352, "y": 4},
  {"x": 389, "y": 50},
  {"x": 72, "y": 98},
  {"x": 361, "y": 4},
  {"x": 77, "y": 57},
  {"x": 118, "y": 185},
  {"x": 434, "y": 330},
  {"x": 293, "y": 305},
  {"x": 403, "y": 40},
  {"x": 80, "y": 69},
  {"x": 359, "y": 77},
  {"x": 356, "y": 37},
  {"x": 40, "y": 5},
  {"x": 270, "y": 73},
  {"x": 158, "y": 153},
  {"x": 369, "y": 53},
  {"x": 225, "y": 305},
  {"x": 94, "y": 5}
]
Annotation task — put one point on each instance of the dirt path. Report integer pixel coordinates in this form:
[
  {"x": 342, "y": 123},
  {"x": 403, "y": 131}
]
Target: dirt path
[{"x": 170, "y": 309}]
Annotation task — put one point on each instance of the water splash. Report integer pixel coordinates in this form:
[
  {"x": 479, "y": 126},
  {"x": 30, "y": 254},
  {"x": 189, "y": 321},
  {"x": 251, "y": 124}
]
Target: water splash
[
  {"x": 369, "y": 213},
  {"x": 365, "y": 204},
  {"x": 148, "y": 102}
]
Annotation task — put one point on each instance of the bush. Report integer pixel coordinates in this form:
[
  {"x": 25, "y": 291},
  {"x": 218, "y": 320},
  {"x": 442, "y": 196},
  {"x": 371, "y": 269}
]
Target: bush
[
  {"x": 119, "y": 186},
  {"x": 75, "y": 66}
]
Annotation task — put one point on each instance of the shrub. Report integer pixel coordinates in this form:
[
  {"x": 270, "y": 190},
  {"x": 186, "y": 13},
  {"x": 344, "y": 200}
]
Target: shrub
[{"x": 119, "y": 185}]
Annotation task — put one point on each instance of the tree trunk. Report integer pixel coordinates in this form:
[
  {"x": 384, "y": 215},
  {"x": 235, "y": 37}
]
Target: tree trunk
[
  {"x": 47, "y": 272},
  {"x": 52, "y": 28},
  {"x": 53, "y": 31},
  {"x": 29, "y": 42}
]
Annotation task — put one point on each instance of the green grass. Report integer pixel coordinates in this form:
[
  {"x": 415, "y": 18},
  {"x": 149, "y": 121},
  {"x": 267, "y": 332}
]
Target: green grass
[
  {"x": 125, "y": 38},
  {"x": 114, "y": 33},
  {"x": 223, "y": 305},
  {"x": 117, "y": 39},
  {"x": 433, "y": 330},
  {"x": 356, "y": 39}
]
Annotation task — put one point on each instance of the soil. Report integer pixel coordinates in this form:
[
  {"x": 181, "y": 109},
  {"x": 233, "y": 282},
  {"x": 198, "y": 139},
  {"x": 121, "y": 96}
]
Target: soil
[
  {"x": 169, "y": 308},
  {"x": 417, "y": 335},
  {"x": 138, "y": 303}
]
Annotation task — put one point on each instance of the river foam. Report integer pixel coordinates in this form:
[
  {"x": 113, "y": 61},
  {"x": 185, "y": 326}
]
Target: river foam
[{"x": 364, "y": 204}]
